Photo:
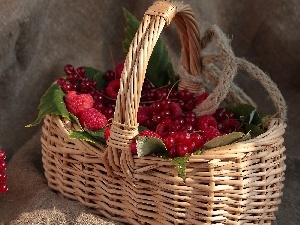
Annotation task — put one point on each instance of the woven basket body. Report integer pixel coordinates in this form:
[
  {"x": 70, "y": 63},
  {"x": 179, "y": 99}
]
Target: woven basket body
[{"x": 239, "y": 183}]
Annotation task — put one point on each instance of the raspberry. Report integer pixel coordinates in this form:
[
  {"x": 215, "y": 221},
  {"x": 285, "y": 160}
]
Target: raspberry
[
  {"x": 210, "y": 133},
  {"x": 112, "y": 88},
  {"x": 76, "y": 103},
  {"x": 133, "y": 147},
  {"x": 205, "y": 121},
  {"x": 92, "y": 119},
  {"x": 148, "y": 133},
  {"x": 107, "y": 132},
  {"x": 201, "y": 98},
  {"x": 119, "y": 69}
]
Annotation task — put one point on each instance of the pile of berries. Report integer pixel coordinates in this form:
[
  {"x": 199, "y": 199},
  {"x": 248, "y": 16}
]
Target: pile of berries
[
  {"x": 3, "y": 176},
  {"x": 165, "y": 112}
]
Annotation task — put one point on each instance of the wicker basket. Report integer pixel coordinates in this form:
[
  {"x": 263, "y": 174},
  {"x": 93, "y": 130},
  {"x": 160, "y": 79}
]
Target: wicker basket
[{"x": 239, "y": 183}]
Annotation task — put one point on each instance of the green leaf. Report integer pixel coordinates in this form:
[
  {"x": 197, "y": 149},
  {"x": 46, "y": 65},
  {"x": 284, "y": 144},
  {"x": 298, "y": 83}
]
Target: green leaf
[
  {"x": 159, "y": 70},
  {"x": 75, "y": 119},
  {"x": 180, "y": 164},
  {"x": 224, "y": 140},
  {"x": 52, "y": 102},
  {"x": 141, "y": 128},
  {"x": 82, "y": 135},
  {"x": 253, "y": 129},
  {"x": 98, "y": 134},
  {"x": 132, "y": 25},
  {"x": 97, "y": 76},
  {"x": 245, "y": 112},
  {"x": 147, "y": 145}
]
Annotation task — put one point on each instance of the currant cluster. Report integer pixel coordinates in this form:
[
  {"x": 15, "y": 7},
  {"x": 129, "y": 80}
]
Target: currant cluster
[
  {"x": 3, "y": 176},
  {"x": 166, "y": 112},
  {"x": 104, "y": 99},
  {"x": 169, "y": 114}
]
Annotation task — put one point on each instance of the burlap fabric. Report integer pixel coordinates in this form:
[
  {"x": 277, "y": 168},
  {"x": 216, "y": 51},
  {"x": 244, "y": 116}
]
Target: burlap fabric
[{"x": 37, "y": 38}]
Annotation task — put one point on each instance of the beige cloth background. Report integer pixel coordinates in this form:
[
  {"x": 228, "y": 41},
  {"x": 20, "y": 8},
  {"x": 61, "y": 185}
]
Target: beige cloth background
[{"x": 38, "y": 37}]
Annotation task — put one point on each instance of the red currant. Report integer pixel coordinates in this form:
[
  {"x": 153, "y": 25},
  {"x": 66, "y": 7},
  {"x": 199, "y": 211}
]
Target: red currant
[
  {"x": 172, "y": 152},
  {"x": 161, "y": 93},
  {"x": 3, "y": 188},
  {"x": 169, "y": 141},
  {"x": 109, "y": 75},
  {"x": 2, "y": 166},
  {"x": 3, "y": 177},
  {"x": 156, "y": 107},
  {"x": 185, "y": 95},
  {"x": 197, "y": 139},
  {"x": 147, "y": 85},
  {"x": 61, "y": 81},
  {"x": 81, "y": 72},
  {"x": 69, "y": 69},
  {"x": 109, "y": 112},
  {"x": 164, "y": 128},
  {"x": 149, "y": 95},
  {"x": 73, "y": 78},
  {"x": 67, "y": 87},
  {"x": 2, "y": 155},
  {"x": 189, "y": 105},
  {"x": 229, "y": 125},
  {"x": 99, "y": 106},
  {"x": 182, "y": 150}
]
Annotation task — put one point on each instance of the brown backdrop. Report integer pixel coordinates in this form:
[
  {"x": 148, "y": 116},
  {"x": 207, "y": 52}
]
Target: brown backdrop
[{"x": 38, "y": 37}]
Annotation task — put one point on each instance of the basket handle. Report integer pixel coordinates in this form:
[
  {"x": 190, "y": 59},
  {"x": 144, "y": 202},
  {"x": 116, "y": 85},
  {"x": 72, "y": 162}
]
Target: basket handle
[{"x": 118, "y": 156}]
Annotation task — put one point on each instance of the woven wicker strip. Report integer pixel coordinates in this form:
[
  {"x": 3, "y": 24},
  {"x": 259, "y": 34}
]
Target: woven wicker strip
[{"x": 239, "y": 183}]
